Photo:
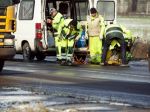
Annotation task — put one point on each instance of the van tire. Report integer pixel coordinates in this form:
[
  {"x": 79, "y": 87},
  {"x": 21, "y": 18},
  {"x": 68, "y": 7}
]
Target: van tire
[
  {"x": 1, "y": 64},
  {"x": 40, "y": 57},
  {"x": 27, "y": 54}
]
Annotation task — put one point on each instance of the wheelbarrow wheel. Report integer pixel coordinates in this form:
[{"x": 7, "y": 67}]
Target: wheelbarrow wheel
[{"x": 80, "y": 59}]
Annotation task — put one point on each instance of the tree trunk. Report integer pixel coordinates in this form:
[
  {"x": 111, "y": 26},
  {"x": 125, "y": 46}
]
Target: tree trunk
[
  {"x": 147, "y": 7},
  {"x": 134, "y": 5},
  {"x": 129, "y": 6}
]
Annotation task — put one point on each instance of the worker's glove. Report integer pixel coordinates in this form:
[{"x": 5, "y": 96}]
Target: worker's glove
[
  {"x": 100, "y": 37},
  {"x": 130, "y": 43},
  {"x": 86, "y": 37},
  {"x": 49, "y": 21},
  {"x": 71, "y": 37}
]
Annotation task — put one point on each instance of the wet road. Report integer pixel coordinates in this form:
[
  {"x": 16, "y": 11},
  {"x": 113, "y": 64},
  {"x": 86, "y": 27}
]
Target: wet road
[{"x": 84, "y": 83}]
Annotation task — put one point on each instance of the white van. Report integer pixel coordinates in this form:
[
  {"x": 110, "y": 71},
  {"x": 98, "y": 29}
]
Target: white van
[
  {"x": 32, "y": 37},
  {"x": 32, "y": 31}
]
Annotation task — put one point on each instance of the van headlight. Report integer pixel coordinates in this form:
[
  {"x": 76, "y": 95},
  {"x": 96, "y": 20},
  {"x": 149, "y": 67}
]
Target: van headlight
[{"x": 8, "y": 42}]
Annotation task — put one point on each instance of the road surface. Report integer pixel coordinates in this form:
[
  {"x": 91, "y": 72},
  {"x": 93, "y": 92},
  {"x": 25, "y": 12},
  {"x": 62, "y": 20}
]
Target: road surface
[{"x": 112, "y": 88}]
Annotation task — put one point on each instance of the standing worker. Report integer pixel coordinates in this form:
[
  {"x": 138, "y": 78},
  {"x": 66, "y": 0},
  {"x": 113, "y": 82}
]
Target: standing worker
[
  {"x": 116, "y": 35},
  {"x": 95, "y": 28},
  {"x": 71, "y": 32},
  {"x": 57, "y": 23}
]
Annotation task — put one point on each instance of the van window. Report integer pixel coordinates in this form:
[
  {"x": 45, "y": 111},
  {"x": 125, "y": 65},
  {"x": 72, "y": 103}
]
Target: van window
[
  {"x": 106, "y": 9},
  {"x": 81, "y": 9},
  {"x": 61, "y": 6},
  {"x": 26, "y": 10},
  {"x": 4, "y": 3}
]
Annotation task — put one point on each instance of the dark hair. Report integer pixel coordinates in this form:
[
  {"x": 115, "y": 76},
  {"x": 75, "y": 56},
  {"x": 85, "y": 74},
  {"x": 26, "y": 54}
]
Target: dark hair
[{"x": 93, "y": 10}]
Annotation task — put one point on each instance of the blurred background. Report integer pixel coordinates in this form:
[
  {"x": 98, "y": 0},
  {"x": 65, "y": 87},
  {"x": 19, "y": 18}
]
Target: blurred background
[
  {"x": 135, "y": 15},
  {"x": 134, "y": 7}
]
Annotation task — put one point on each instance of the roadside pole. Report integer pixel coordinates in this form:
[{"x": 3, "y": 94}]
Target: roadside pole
[{"x": 149, "y": 55}]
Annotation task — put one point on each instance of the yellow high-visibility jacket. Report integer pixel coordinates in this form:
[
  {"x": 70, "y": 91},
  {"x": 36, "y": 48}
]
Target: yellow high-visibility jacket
[{"x": 95, "y": 26}]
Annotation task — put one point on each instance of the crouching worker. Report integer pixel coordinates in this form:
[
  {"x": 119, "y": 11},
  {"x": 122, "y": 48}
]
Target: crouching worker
[
  {"x": 71, "y": 32},
  {"x": 115, "y": 35}
]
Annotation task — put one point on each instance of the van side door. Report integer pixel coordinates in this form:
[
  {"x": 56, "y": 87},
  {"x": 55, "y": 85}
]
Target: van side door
[{"x": 25, "y": 31}]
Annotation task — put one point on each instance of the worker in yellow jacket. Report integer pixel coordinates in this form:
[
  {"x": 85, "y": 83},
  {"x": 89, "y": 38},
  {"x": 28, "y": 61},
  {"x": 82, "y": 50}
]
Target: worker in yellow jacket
[
  {"x": 57, "y": 22},
  {"x": 94, "y": 30}
]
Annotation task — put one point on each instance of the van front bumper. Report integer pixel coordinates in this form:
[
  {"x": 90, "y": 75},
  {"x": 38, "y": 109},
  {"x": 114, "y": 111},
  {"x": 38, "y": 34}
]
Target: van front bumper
[{"x": 7, "y": 53}]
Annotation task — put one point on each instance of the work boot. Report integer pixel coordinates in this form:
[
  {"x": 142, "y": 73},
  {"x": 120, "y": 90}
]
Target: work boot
[
  {"x": 69, "y": 63},
  {"x": 58, "y": 61},
  {"x": 124, "y": 65},
  {"x": 103, "y": 63},
  {"x": 63, "y": 62}
]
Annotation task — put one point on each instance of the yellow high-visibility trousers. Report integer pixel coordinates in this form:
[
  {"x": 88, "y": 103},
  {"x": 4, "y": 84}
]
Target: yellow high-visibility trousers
[
  {"x": 67, "y": 49},
  {"x": 95, "y": 47},
  {"x": 58, "y": 47},
  {"x": 63, "y": 49},
  {"x": 70, "y": 48}
]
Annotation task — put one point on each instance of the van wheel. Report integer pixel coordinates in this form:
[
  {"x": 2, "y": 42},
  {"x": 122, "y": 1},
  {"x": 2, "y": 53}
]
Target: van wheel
[
  {"x": 40, "y": 57},
  {"x": 1, "y": 65},
  {"x": 27, "y": 54}
]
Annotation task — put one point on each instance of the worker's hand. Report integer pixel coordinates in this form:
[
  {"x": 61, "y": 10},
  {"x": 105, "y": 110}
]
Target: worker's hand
[
  {"x": 77, "y": 38},
  {"x": 86, "y": 36},
  {"x": 49, "y": 21}
]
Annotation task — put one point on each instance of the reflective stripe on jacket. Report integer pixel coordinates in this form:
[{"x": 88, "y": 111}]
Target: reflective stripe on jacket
[{"x": 115, "y": 28}]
